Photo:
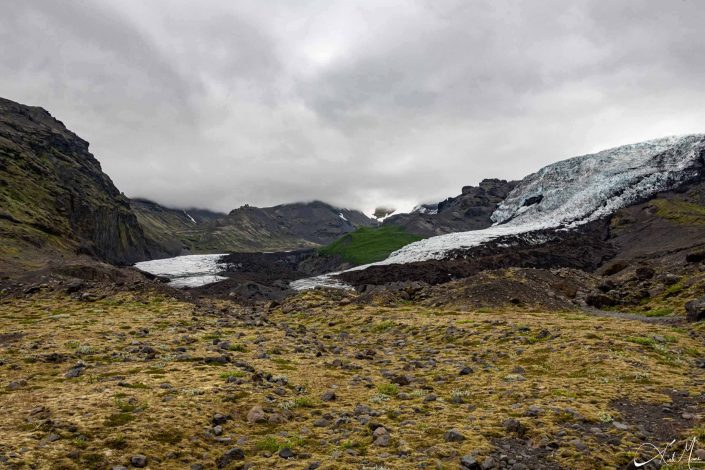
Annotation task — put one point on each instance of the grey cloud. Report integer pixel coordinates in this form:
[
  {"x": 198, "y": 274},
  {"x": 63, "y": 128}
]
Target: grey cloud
[{"x": 359, "y": 103}]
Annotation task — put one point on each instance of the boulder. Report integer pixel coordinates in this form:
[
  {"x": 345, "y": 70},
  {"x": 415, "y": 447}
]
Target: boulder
[
  {"x": 695, "y": 310},
  {"x": 138, "y": 461},
  {"x": 229, "y": 457},
  {"x": 256, "y": 415},
  {"x": 644, "y": 273},
  {"x": 453, "y": 435},
  {"x": 468, "y": 462}
]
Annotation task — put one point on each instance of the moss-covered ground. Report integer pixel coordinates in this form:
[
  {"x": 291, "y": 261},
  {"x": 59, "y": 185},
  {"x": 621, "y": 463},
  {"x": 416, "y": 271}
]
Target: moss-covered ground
[{"x": 159, "y": 370}]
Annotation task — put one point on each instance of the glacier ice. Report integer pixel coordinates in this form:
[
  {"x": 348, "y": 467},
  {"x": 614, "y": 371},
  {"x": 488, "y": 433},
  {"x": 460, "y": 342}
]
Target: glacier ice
[
  {"x": 568, "y": 193},
  {"x": 186, "y": 271}
]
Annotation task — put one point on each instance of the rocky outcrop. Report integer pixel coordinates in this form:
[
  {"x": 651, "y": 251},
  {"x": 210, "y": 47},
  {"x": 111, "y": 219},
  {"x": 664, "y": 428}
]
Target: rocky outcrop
[
  {"x": 471, "y": 210},
  {"x": 55, "y": 198}
]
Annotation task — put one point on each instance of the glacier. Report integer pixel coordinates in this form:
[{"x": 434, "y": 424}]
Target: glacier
[
  {"x": 566, "y": 194},
  {"x": 187, "y": 270}
]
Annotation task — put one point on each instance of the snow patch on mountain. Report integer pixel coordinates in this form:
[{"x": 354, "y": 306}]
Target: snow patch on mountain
[
  {"x": 189, "y": 217},
  {"x": 429, "y": 209}
]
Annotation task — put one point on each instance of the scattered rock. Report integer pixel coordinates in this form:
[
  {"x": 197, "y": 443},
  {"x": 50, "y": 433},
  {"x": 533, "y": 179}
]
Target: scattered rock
[
  {"x": 468, "y": 462},
  {"x": 579, "y": 445},
  {"x": 488, "y": 463},
  {"x": 400, "y": 379},
  {"x": 321, "y": 423},
  {"x": 219, "y": 418},
  {"x": 381, "y": 437},
  {"x": 328, "y": 396},
  {"x": 256, "y": 415},
  {"x": 695, "y": 310},
  {"x": 467, "y": 370},
  {"x": 513, "y": 425},
  {"x": 75, "y": 371},
  {"x": 16, "y": 384},
  {"x": 453, "y": 435},
  {"x": 644, "y": 273},
  {"x": 138, "y": 461},
  {"x": 229, "y": 457},
  {"x": 276, "y": 418}
]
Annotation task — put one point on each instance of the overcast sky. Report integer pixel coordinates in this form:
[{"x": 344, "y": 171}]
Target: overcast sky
[{"x": 359, "y": 103}]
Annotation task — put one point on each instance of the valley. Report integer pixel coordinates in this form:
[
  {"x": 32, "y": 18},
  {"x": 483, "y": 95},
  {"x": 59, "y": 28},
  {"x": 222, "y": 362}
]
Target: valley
[{"x": 555, "y": 322}]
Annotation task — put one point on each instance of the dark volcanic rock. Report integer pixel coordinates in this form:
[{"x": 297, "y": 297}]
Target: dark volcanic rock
[
  {"x": 138, "y": 461},
  {"x": 470, "y": 210},
  {"x": 695, "y": 310},
  {"x": 229, "y": 457},
  {"x": 600, "y": 300},
  {"x": 253, "y": 277},
  {"x": 53, "y": 186},
  {"x": 584, "y": 248}
]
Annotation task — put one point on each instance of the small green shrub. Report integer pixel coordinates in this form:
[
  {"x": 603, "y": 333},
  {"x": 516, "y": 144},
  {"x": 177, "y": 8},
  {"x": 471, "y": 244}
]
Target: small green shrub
[{"x": 390, "y": 389}]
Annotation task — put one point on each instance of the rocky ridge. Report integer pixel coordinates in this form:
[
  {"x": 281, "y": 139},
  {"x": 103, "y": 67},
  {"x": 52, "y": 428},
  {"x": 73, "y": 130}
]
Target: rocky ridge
[
  {"x": 247, "y": 229},
  {"x": 471, "y": 210},
  {"x": 54, "y": 197}
]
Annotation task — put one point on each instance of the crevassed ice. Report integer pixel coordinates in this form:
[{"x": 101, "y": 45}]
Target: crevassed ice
[{"x": 569, "y": 193}]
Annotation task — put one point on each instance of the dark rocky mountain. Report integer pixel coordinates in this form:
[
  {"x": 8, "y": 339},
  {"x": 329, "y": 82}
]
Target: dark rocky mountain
[
  {"x": 54, "y": 198},
  {"x": 471, "y": 210},
  {"x": 316, "y": 223},
  {"x": 175, "y": 231},
  {"x": 246, "y": 229}
]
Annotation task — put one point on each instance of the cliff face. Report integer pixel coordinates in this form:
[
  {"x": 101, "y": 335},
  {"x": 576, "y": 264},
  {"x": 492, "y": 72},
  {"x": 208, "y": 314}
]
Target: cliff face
[{"x": 54, "y": 197}]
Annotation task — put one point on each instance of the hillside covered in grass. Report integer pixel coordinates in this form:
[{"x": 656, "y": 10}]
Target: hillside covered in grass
[{"x": 369, "y": 244}]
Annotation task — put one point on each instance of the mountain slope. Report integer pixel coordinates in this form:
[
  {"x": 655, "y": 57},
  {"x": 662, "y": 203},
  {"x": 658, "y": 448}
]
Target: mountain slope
[
  {"x": 175, "y": 231},
  {"x": 54, "y": 198},
  {"x": 367, "y": 244},
  {"x": 247, "y": 229},
  {"x": 471, "y": 210}
]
